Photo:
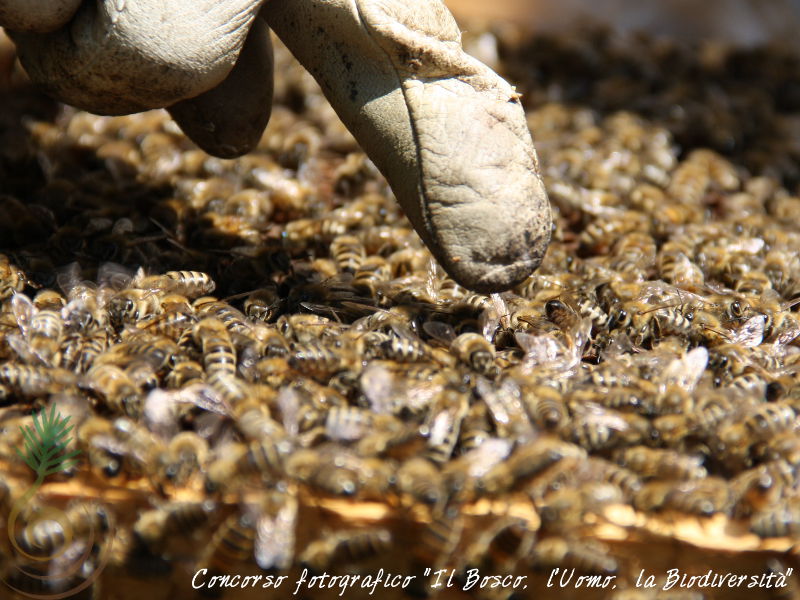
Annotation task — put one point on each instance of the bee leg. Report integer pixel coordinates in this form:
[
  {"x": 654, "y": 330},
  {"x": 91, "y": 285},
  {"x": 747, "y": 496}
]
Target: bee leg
[{"x": 448, "y": 133}]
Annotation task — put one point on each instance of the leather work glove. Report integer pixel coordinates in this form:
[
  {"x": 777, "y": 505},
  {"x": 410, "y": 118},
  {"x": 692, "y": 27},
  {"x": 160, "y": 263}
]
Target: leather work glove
[{"x": 447, "y": 132}]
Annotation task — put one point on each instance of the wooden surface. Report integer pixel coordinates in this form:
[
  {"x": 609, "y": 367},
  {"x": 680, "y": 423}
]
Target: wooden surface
[{"x": 653, "y": 543}]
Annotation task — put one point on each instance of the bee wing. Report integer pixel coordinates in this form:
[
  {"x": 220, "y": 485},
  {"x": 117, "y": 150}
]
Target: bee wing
[
  {"x": 581, "y": 335},
  {"x": 599, "y": 415},
  {"x": 68, "y": 277},
  {"x": 489, "y": 321},
  {"x": 160, "y": 412},
  {"x": 787, "y": 334},
  {"x": 542, "y": 350},
  {"x": 203, "y": 396},
  {"x": 751, "y": 334},
  {"x": 63, "y": 566},
  {"x": 289, "y": 403},
  {"x": 24, "y": 310},
  {"x": 490, "y": 453},
  {"x": 404, "y": 332},
  {"x": 746, "y": 245},
  {"x": 362, "y": 309},
  {"x": 659, "y": 292},
  {"x": 23, "y": 349},
  {"x": 274, "y": 542},
  {"x": 386, "y": 393},
  {"x": 439, "y": 331},
  {"x": 686, "y": 371},
  {"x": 110, "y": 443},
  {"x": 114, "y": 276},
  {"x": 379, "y": 387}
]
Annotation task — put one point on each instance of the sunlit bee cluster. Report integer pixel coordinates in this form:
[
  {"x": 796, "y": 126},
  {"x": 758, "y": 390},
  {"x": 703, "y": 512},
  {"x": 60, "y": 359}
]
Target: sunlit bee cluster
[{"x": 267, "y": 334}]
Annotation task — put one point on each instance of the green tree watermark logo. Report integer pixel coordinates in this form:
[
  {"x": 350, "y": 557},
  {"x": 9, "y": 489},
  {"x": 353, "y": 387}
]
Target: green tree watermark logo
[
  {"x": 58, "y": 570},
  {"x": 46, "y": 444}
]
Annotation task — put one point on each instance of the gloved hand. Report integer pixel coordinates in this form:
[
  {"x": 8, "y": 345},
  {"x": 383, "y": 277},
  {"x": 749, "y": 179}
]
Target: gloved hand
[{"x": 446, "y": 131}]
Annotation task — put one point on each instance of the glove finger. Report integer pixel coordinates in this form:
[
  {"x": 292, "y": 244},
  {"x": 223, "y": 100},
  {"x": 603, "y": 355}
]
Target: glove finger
[
  {"x": 125, "y": 56},
  {"x": 228, "y": 120},
  {"x": 448, "y": 133},
  {"x": 37, "y": 16}
]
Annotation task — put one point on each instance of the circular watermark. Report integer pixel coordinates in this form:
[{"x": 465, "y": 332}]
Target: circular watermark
[{"x": 56, "y": 552}]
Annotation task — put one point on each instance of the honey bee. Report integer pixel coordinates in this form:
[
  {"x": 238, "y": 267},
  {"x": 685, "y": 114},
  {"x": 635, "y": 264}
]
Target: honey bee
[
  {"x": 346, "y": 547},
  {"x": 444, "y": 424},
  {"x": 219, "y": 355},
  {"x": 587, "y": 555},
  {"x": 302, "y": 328},
  {"x": 232, "y": 544},
  {"x": 191, "y": 284},
  {"x": 118, "y": 391},
  {"x": 153, "y": 528},
  {"x": 348, "y": 253},
  {"x": 472, "y": 349},
  {"x": 701, "y": 496},
  {"x": 43, "y": 330},
  {"x": 476, "y": 427},
  {"x": 47, "y": 299},
  {"x": 633, "y": 253},
  {"x": 263, "y": 458},
  {"x": 316, "y": 358},
  {"x": 186, "y": 453},
  {"x": 301, "y": 233},
  {"x": 589, "y": 308},
  {"x": 263, "y": 305},
  {"x": 86, "y": 312},
  {"x": 349, "y": 423},
  {"x": 155, "y": 350},
  {"x": 782, "y": 519},
  {"x": 403, "y": 346},
  {"x": 43, "y": 537},
  {"x": 653, "y": 496},
  {"x": 689, "y": 182},
  {"x": 208, "y": 307},
  {"x": 171, "y": 323},
  {"x": 596, "y": 428},
  {"x": 784, "y": 446},
  {"x": 660, "y": 463},
  {"x": 545, "y": 406},
  {"x": 95, "y": 437},
  {"x": 501, "y": 546},
  {"x": 131, "y": 305},
  {"x": 183, "y": 373},
  {"x": 439, "y": 538},
  {"x": 758, "y": 488},
  {"x": 274, "y": 543},
  {"x": 588, "y": 497},
  {"x": 421, "y": 480},
  {"x": 709, "y": 412},
  {"x": 342, "y": 475},
  {"x": 372, "y": 275},
  {"x": 769, "y": 420},
  {"x": 35, "y": 381},
  {"x": 596, "y": 468},
  {"x": 390, "y": 389},
  {"x": 526, "y": 461},
  {"x": 676, "y": 268},
  {"x": 79, "y": 352},
  {"x": 598, "y": 234},
  {"x": 506, "y": 408},
  {"x": 12, "y": 278},
  {"x": 138, "y": 445},
  {"x": 252, "y": 415}
]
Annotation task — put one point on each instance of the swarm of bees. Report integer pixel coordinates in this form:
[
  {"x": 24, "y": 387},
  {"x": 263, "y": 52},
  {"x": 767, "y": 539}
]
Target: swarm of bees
[{"x": 260, "y": 342}]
